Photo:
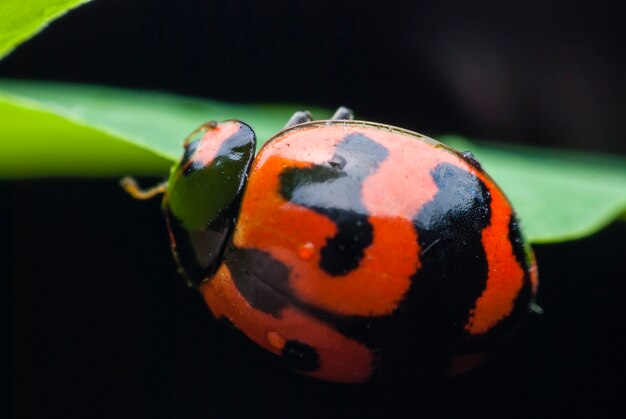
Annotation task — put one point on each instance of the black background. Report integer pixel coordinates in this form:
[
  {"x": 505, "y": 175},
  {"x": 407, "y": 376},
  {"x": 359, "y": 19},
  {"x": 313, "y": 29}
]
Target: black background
[{"x": 96, "y": 322}]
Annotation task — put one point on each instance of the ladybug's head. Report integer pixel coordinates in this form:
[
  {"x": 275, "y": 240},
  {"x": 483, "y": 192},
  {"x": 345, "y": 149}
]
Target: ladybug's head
[{"x": 204, "y": 194}]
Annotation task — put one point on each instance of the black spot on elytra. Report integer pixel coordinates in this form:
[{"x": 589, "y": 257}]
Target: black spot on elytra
[
  {"x": 454, "y": 264},
  {"x": 515, "y": 237},
  {"x": 334, "y": 190},
  {"x": 262, "y": 280},
  {"x": 301, "y": 356}
]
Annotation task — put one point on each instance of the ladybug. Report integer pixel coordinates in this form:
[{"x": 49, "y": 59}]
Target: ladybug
[{"x": 353, "y": 250}]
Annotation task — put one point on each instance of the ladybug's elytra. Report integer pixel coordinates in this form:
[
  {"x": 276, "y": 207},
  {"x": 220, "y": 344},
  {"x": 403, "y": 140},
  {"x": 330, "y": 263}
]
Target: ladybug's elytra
[{"x": 351, "y": 249}]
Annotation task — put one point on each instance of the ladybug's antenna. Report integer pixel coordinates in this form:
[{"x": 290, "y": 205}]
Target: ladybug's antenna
[
  {"x": 131, "y": 187},
  {"x": 201, "y": 130}
]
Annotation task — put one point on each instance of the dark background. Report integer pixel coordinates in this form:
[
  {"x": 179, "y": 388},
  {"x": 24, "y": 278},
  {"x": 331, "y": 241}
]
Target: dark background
[{"x": 97, "y": 323}]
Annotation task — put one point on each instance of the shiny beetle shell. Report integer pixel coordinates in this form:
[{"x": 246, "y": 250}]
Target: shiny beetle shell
[{"x": 351, "y": 249}]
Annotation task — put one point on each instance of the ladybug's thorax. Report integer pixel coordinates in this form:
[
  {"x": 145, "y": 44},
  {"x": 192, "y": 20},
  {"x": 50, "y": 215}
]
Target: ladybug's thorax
[{"x": 204, "y": 194}]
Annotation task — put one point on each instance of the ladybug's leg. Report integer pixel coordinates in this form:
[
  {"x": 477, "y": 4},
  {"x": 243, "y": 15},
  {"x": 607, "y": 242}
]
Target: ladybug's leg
[
  {"x": 299, "y": 117},
  {"x": 130, "y": 185},
  {"x": 343, "y": 113},
  {"x": 534, "y": 308}
]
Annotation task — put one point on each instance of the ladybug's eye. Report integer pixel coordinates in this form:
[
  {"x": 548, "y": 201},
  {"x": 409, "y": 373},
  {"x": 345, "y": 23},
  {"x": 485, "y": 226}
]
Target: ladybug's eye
[{"x": 204, "y": 194}]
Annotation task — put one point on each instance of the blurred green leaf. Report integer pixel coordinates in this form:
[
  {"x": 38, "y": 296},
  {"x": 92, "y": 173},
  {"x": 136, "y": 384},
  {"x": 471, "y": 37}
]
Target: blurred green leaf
[
  {"x": 558, "y": 195},
  {"x": 22, "y": 19},
  {"x": 50, "y": 129}
]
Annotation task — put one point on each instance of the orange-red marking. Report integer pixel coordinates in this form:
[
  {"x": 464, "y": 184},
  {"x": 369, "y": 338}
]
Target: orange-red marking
[{"x": 505, "y": 275}]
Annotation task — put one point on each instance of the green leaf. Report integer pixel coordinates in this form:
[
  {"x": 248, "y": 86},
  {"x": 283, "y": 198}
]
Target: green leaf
[
  {"x": 22, "y": 19},
  {"x": 67, "y": 130},
  {"x": 558, "y": 195},
  {"x": 51, "y": 129}
]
